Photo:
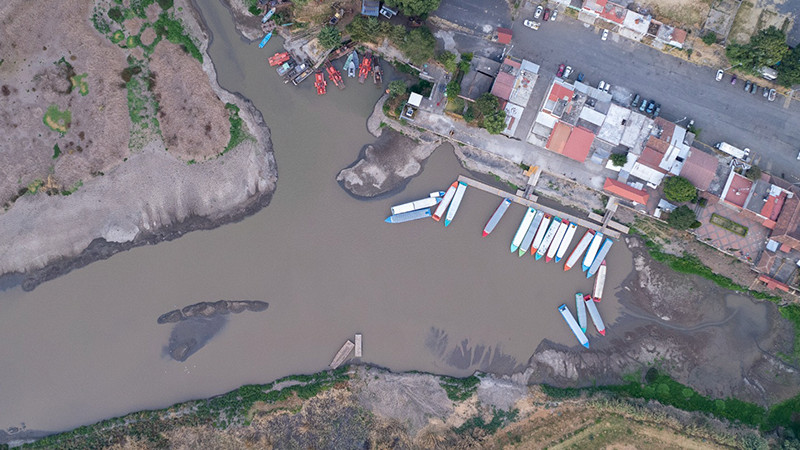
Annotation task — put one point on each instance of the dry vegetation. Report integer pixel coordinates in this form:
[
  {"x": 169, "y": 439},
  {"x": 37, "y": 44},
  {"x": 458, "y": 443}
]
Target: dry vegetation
[{"x": 684, "y": 13}]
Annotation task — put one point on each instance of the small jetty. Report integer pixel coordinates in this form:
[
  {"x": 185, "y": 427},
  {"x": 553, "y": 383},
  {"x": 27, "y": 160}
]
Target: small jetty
[
  {"x": 342, "y": 354},
  {"x": 358, "y": 345}
]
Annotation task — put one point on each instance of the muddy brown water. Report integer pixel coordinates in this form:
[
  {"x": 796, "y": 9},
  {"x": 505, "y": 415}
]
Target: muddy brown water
[{"x": 87, "y": 346}]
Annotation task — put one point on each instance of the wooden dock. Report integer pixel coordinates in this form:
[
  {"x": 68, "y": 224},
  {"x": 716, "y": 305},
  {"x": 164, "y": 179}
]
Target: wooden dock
[
  {"x": 532, "y": 204},
  {"x": 343, "y": 354},
  {"x": 358, "y": 345}
]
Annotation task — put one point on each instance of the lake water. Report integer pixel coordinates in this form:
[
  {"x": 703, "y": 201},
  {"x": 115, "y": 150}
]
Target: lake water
[{"x": 86, "y": 346}]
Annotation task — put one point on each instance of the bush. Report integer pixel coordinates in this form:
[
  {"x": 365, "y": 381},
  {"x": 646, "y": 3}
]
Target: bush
[
  {"x": 619, "y": 159},
  {"x": 453, "y": 89},
  {"x": 487, "y": 104},
  {"x": 329, "y": 37},
  {"x": 414, "y": 7},
  {"x": 418, "y": 45},
  {"x": 448, "y": 60},
  {"x": 753, "y": 173},
  {"x": 363, "y": 29},
  {"x": 397, "y": 87},
  {"x": 495, "y": 123},
  {"x": 116, "y": 15},
  {"x": 766, "y": 48},
  {"x": 681, "y": 218},
  {"x": 679, "y": 189},
  {"x": 469, "y": 114},
  {"x": 709, "y": 38}
]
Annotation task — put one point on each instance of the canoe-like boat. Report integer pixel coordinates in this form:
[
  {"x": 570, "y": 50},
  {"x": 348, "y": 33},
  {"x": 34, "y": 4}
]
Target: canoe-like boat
[
  {"x": 342, "y": 354},
  {"x": 437, "y": 194},
  {"x": 573, "y": 325},
  {"x": 583, "y": 244},
  {"x": 551, "y": 251},
  {"x": 528, "y": 239},
  {"x": 498, "y": 214},
  {"x": 265, "y": 40},
  {"x": 365, "y": 67},
  {"x": 426, "y": 202},
  {"x": 599, "y": 259},
  {"x": 537, "y": 240},
  {"x": 377, "y": 72},
  {"x": 595, "y": 315},
  {"x": 580, "y": 307},
  {"x": 599, "y": 283},
  {"x": 320, "y": 83},
  {"x": 548, "y": 237},
  {"x": 278, "y": 58},
  {"x": 453, "y": 208},
  {"x": 562, "y": 248},
  {"x": 594, "y": 246},
  {"x": 527, "y": 219},
  {"x": 347, "y": 63},
  {"x": 268, "y": 15},
  {"x": 408, "y": 216},
  {"x": 334, "y": 75},
  {"x": 448, "y": 197}
]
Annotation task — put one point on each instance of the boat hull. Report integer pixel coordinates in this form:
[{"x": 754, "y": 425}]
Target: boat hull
[
  {"x": 600, "y": 258},
  {"x": 265, "y": 40},
  {"x": 599, "y": 283},
  {"x": 409, "y": 216},
  {"x": 456, "y": 203},
  {"x": 524, "y": 226},
  {"x": 537, "y": 241},
  {"x": 580, "y": 307},
  {"x": 594, "y": 246},
  {"x": 595, "y": 315},
  {"x": 562, "y": 230},
  {"x": 448, "y": 197},
  {"x": 583, "y": 244},
  {"x": 548, "y": 238},
  {"x": 498, "y": 214},
  {"x": 562, "y": 249},
  {"x": 573, "y": 325},
  {"x": 426, "y": 202}
]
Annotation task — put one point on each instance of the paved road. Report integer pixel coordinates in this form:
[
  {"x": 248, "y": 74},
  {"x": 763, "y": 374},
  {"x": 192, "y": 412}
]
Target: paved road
[{"x": 723, "y": 112}]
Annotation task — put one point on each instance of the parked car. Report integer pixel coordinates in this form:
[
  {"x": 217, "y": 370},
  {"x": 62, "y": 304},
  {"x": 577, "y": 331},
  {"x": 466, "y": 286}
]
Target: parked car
[
  {"x": 607, "y": 87},
  {"x": 538, "y": 12},
  {"x": 643, "y": 106},
  {"x": 772, "y": 94},
  {"x": 651, "y": 107},
  {"x": 765, "y": 92},
  {"x": 720, "y": 74},
  {"x": 747, "y": 85},
  {"x": 580, "y": 76},
  {"x": 753, "y": 88},
  {"x": 733, "y": 80},
  {"x": 561, "y": 68},
  {"x": 546, "y": 16},
  {"x": 635, "y": 101},
  {"x": 601, "y": 85},
  {"x": 605, "y": 35},
  {"x": 567, "y": 71},
  {"x": 555, "y": 14},
  {"x": 531, "y": 24},
  {"x": 657, "y": 112}
]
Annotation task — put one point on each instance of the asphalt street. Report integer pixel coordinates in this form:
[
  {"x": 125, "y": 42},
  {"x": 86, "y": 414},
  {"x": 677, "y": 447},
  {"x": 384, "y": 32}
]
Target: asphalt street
[{"x": 723, "y": 112}]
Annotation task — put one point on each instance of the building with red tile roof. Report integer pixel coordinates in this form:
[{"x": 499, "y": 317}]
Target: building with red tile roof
[
  {"x": 579, "y": 144},
  {"x": 558, "y": 137},
  {"x": 737, "y": 189},
  {"x": 503, "y": 84},
  {"x": 626, "y": 192},
  {"x": 504, "y": 35},
  {"x": 594, "y": 6},
  {"x": 614, "y": 13},
  {"x": 787, "y": 228},
  {"x": 700, "y": 168}
]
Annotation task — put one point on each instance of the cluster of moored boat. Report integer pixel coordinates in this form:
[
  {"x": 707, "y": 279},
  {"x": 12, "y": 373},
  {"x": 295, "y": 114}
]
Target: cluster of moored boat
[
  {"x": 296, "y": 72},
  {"x": 545, "y": 235}
]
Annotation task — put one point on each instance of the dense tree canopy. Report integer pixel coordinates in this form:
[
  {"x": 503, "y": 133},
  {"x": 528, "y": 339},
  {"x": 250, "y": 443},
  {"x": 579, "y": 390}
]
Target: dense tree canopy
[
  {"x": 789, "y": 73},
  {"x": 766, "y": 48},
  {"x": 681, "y": 218},
  {"x": 329, "y": 37},
  {"x": 453, "y": 89},
  {"x": 418, "y": 45},
  {"x": 495, "y": 123},
  {"x": 679, "y": 189},
  {"x": 619, "y": 159},
  {"x": 448, "y": 60},
  {"x": 414, "y": 7},
  {"x": 363, "y": 29},
  {"x": 487, "y": 104},
  {"x": 397, "y": 87}
]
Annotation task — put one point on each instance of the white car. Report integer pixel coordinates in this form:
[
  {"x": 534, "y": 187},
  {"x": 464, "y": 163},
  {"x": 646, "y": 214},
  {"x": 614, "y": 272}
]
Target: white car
[
  {"x": 601, "y": 85},
  {"x": 567, "y": 71},
  {"x": 538, "y": 13},
  {"x": 772, "y": 94},
  {"x": 720, "y": 74},
  {"x": 553, "y": 16},
  {"x": 605, "y": 35},
  {"x": 607, "y": 87},
  {"x": 531, "y": 24}
]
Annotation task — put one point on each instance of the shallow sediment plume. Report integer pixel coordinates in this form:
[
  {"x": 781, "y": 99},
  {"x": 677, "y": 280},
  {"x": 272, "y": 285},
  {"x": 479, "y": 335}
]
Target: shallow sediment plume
[{"x": 150, "y": 196}]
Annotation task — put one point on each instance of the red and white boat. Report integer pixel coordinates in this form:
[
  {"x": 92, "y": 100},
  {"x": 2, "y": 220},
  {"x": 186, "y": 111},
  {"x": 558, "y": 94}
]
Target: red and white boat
[
  {"x": 320, "y": 83},
  {"x": 599, "y": 282},
  {"x": 334, "y": 75},
  {"x": 279, "y": 58},
  {"x": 595, "y": 314},
  {"x": 583, "y": 244},
  {"x": 448, "y": 197}
]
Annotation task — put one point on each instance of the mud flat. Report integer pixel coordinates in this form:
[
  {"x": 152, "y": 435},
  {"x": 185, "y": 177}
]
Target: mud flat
[{"x": 114, "y": 183}]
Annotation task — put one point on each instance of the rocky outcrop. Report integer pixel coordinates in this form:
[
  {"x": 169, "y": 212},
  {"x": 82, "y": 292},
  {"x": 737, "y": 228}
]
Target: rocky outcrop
[{"x": 210, "y": 309}]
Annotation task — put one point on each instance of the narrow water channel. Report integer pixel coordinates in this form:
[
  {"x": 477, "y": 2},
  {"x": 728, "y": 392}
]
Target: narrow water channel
[{"x": 87, "y": 346}]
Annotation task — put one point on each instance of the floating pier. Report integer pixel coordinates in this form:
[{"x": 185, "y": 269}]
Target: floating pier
[
  {"x": 533, "y": 204},
  {"x": 358, "y": 345},
  {"x": 343, "y": 354}
]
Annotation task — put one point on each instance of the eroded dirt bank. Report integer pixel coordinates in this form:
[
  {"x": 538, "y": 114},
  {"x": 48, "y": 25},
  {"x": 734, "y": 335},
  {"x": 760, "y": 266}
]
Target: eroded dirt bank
[{"x": 88, "y": 180}]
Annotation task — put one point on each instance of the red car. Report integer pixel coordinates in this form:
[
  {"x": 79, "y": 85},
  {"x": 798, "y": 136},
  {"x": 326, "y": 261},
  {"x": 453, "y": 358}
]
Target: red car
[
  {"x": 561, "y": 70},
  {"x": 546, "y": 14}
]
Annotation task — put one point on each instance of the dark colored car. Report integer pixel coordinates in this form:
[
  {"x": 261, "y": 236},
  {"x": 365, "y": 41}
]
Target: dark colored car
[
  {"x": 580, "y": 76},
  {"x": 635, "y": 101},
  {"x": 546, "y": 16},
  {"x": 747, "y": 85},
  {"x": 753, "y": 88},
  {"x": 733, "y": 80},
  {"x": 560, "y": 67},
  {"x": 643, "y": 106},
  {"x": 651, "y": 107},
  {"x": 657, "y": 112}
]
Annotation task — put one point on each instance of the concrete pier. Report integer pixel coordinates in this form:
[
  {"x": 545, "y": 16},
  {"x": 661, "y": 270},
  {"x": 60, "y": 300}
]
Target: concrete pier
[
  {"x": 342, "y": 354},
  {"x": 533, "y": 204}
]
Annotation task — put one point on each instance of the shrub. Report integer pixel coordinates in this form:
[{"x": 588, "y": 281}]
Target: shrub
[
  {"x": 329, "y": 37},
  {"x": 487, "y": 104},
  {"x": 418, "y": 45},
  {"x": 753, "y": 173},
  {"x": 414, "y": 7},
  {"x": 495, "y": 123},
  {"x": 397, "y": 87},
  {"x": 116, "y": 15},
  {"x": 453, "y": 89},
  {"x": 709, "y": 38},
  {"x": 448, "y": 60},
  {"x": 469, "y": 114},
  {"x": 619, "y": 159},
  {"x": 681, "y": 218},
  {"x": 679, "y": 189}
]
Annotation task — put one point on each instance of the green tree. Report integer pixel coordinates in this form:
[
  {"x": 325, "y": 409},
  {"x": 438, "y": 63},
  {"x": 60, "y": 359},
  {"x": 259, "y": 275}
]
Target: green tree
[
  {"x": 619, "y": 159},
  {"x": 766, "y": 48},
  {"x": 414, "y": 7},
  {"x": 469, "y": 114},
  {"x": 679, "y": 189},
  {"x": 709, "y": 38},
  {"x": 329, "y": 37},
  {"x": 453, "y": 89},
  {"x": 363, "y": 29},
  {"x": 467, "y": 57},
  {"x": 753, "y": 173},
  {"x": 495, "y": 123},
  {"x": 789, "y": 74},
  {"x": 681, "y": 218},
  {"x": 418, "y": 45},
  {"x": 487, "y": 104},
  {"x": 463, "y": 66},
  {"x": 448, "y": 60},
  {"x": 397, "y": 87}
]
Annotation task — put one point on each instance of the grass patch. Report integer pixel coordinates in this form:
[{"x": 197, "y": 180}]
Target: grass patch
[
  {"x": 56, "y": 151},
  {"x": 34, "y": 186},
  {"x": 728, "y": 224},
  {"x": 792, "y": 314},
  {"x": 72, "y": 189},
  {"x": 237, "y": 131},
  {"x": 459, "y": 389},
  {"x": 500, "y": 419},
  {"x": 172, "y": 29},
  {"x": 79, "y": 81},
  {"x": 57, "y": 120},
  {"x": 132, "y": 42},
  {"x": 117, "y": 36}
]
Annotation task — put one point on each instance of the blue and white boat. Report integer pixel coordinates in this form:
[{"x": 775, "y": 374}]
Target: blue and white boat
[
  {"x": 498, "y": 214},
  {"x": 453, "y": 208},
  {"x": 408, "y": 216},
  {"x": 580, "y": 307},
  {"x": 268, "y": 15},
  {"x": 573, "y": 325},
  {"x": 548, "y": 238},
  {"x": 527, "y": 219},
  {"x": 594, "y": 246},
  {"x": 601, "y": 256},
  {"x": 528, "y": 239},
  {"x": 265, "y": 40}
]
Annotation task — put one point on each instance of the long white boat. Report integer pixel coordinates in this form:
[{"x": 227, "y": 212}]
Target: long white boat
[
  {"x": 422, "y": 203},
  {"x": 498, "y": 214},
  {"x": 409, "y": 216},
  {"x": 583, "y": 244},
  {"x": 448, "y": 197},
  {"x": 453, "y": 209},
  {"x": 573, "y": 325},
  {"x": 537, "y": 241},
  {"x": 580, "y": 307},
  {"x": 594, "y": 246},
  {"x": 601, "y": 256},
  {"x": 548, "y": 237},
  {"x": 562, "y": 230},
  {"x": 526, "y": 241},
  {"x": 595, "y": 314},
  {"x": 562, "y": 249},
  {"x": 527, "y": 219},
  {"x": 599, "y": 283}
]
